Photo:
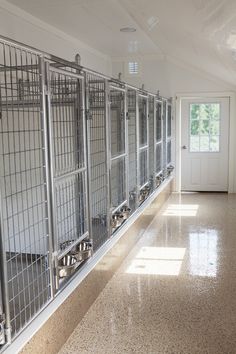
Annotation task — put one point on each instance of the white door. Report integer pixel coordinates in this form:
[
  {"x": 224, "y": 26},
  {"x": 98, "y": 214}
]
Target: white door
[{"x": 204, "y": 144}]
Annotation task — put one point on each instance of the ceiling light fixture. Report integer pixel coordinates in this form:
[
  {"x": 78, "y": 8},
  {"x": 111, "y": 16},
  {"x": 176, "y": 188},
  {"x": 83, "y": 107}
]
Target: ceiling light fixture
[{"x": 128, "y": 29}]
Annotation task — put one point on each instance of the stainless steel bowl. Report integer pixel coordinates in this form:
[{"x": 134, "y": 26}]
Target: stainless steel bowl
[
  {"x": 83, "y": 251},
  {"x": 66, "y": 265},
  {"x": 125, "y": 210},
  {"x": 117, "y": 220}
]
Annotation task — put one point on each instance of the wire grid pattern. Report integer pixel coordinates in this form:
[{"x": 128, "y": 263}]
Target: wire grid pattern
[
  {"x": 158, "y": 158},
  {"x": 143, "y": 121},
  {"x": 169, "y": 135},
  {"x": 68, "y": 157},
  {"x": 151, "y": 100},
  {"x": 159, "y": 133},
  {"x": 24, "y": 226},
  {"x": 169, "y": 152},
  {"x": 117, "y": 116},
  {"x": 96, "y": 102},
  {"x": 117, "y": 125},
  {"x": 131, "y": 100},
  {"x": 164, "y": 150},
  {"x": 144, "y": 173},
  {"x": 67, "y": 123},
  {"x": 143, "y": 141},
  {"x": 118, "y": 182},
  {"x": 169, "y": 117},
  {"x": 158, "y": 121}
]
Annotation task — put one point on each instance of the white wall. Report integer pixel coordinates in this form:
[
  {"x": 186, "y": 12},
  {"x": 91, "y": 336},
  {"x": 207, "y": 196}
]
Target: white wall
[
  {"x": 169, "y": 77},
  {"x": 21, "y": 26}
]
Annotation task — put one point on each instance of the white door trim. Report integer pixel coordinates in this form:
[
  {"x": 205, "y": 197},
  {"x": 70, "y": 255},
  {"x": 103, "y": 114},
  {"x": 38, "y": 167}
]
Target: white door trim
[{"x": 232, "y": 133}]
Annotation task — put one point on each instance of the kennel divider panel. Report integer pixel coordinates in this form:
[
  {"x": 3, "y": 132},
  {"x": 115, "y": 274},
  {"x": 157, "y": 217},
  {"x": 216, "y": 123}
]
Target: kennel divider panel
[
  {"x": 164, "y": 149},
  {"x": 98, "y": 146},
  {"x": 159, "y": 137},
  {"x": 151, "y": 129},
  {"x": 132, "y": 141},
  {"x": 118, "y": 148},
  {"x": 169, "y": 134},
  {"x": 68, "y": 159},
  {"x": 25, "y": 230},
  {"x": 143, "y": 141}
]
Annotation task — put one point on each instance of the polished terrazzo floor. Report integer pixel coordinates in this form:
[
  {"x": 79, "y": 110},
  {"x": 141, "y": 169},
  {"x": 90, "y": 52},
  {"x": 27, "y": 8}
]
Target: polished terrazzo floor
[{"x": 176, "y": 291}]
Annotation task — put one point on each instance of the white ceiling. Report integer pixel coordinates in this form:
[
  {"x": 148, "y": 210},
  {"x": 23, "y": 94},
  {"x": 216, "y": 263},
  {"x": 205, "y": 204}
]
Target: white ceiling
[{"x": 199, "y": 33}]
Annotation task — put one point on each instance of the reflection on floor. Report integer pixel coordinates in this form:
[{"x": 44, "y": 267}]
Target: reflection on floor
[{"x": 175, "y": 292}]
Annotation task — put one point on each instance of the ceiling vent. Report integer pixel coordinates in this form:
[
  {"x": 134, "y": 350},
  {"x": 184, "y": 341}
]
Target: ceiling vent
[{"x": 133, "y": 68}]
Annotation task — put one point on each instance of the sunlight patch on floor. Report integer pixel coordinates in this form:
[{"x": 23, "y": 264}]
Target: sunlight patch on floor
[
  {"x": 181, "y": 210},
  {"x": 157, "y": 261}
]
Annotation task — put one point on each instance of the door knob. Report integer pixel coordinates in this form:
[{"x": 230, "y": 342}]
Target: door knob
[{"x": 184, "y": 147}]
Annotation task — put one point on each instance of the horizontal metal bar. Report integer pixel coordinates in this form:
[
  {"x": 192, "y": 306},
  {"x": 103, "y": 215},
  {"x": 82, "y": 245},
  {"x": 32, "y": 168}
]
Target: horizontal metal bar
[
  {"x": 158, "y": 174},
  {"x": 67, "y": 73},
  {"x": 144, "y": 185},
  {"x": 69, "y": 174},
  {"x": 158, "y": 142},
  {"x": 117, "y": 88},
  {"x": 118, "y": 157},
  {"x": 142, "y": 148},
  {"x": 19, "y": 67},
  {"x": 69, "y": 248},
  {"x": 143, "y": 95},
  {"x": 31, "y": 103},
  {"x": 119, "y": 206}
]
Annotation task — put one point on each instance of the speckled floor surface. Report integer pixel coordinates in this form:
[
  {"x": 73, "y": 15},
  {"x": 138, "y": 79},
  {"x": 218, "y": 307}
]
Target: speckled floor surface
[{"x": 176, "y": 291}]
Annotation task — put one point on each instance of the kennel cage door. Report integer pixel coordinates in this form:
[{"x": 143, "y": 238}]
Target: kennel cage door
[
  {"x": 68, "y": 156},
  {"x": 143, "y": 142},
  {"x": 118, "y": 146},
  {"x": 159, "y": 137}
]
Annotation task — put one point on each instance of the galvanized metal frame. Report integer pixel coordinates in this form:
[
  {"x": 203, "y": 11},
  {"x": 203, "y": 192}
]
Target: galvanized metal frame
[
  {"x": 152, "y": 150},
  {"x": 169, "y": 137},
  {"x": 132, "y": 97},
  {"x": 160, "y": 141},
  {"x": 47, "y": 64},
  {"x": 145, "y": 148},
  {"x": 122, "y": 155}
]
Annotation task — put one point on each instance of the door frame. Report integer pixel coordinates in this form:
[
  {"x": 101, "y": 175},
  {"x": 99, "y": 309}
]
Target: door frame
[{"x": 232, "y": 133}]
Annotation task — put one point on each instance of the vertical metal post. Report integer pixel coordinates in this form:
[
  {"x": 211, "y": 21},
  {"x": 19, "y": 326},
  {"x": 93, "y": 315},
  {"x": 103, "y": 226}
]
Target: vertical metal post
[
  {"x": 108, "y": 154},
  {"x": 162, "y": 146},
  {"x": 148, "y": 142},
  {"x": 137, "y": 150},
  {"x": 126, "y": 147},
  {"x": 88, "y": 153},
  {"x": 4, "y": 277},
  {"x": 85, "y": 147},
  {"x": 154, "y": 140},
  {"x": 47, "y": 170},
  {"x": 51, "y": 188}
]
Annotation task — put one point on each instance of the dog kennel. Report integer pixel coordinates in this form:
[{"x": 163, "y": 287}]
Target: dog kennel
[{"x": 79, "y": 153}]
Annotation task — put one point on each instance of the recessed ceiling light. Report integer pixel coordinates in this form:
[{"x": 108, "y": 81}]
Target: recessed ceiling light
[{"x": 128, "y": 29}]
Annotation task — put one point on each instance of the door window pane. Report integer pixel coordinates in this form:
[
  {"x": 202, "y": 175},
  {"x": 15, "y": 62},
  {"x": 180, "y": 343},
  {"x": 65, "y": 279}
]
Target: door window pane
[
  {"x": 195, "y": 127},
  {"x": 214, "y": 143},
  {"x": 204, "y": 127},
  {"x": 194, "y": 143},
  {"x": 204, "y": 143}
]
